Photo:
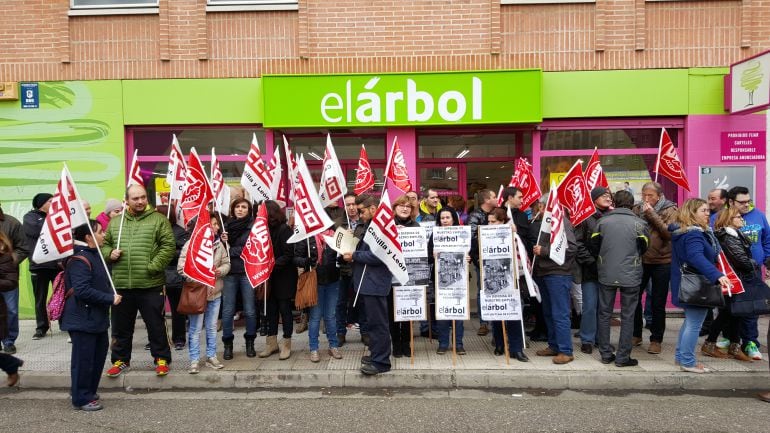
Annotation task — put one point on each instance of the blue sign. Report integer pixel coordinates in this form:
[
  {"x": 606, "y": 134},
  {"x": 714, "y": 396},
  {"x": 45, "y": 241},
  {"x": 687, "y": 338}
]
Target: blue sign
[{"x": 30, "y": 95}]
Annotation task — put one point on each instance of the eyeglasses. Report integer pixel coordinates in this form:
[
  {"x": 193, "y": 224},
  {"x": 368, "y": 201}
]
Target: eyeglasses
[
  {"x": 743, "y": 201},
  {"x": 408, "y": 206}
]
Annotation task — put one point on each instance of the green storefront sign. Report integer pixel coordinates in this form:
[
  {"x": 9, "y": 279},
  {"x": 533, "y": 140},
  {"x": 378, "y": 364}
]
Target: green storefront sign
[{"x": 451, "y": 98}]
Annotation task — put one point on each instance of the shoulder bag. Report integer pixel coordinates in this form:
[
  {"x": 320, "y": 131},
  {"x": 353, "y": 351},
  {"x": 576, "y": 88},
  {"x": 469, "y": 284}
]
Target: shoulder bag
[
  {"x": 193, "y": 299},
  {"x": 754, "y": 301},
  {"x": 695, "y": 289}
]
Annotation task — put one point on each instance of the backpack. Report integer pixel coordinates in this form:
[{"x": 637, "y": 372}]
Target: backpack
[{"x": 55, "y": 306}]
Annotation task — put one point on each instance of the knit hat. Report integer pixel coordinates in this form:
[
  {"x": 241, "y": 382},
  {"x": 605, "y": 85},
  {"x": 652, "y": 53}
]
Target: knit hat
[
  {"x": 39, "y": 200},
  {"x": 598, "y": 192},
  {"x": 111, "y": 205}
]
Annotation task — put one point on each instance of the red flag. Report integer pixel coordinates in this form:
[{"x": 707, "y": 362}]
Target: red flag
[
  {"x": 524, "y": 180},
  {"x": 573, "y": 193},
  {"x": 257, "y": 254},
  {"x": 382, "y": 237},
  {"x": 55, "y": 241},
  {"x": 736, "y": 285},
  {"x": 500, "y": 196},
  {"x": 199, "y": 262},
  {"x": 177, "y": 170},
  {"x": 364, "y": 174},
  {"x": 134, "y": 174},
  {"x": 197, "y": 192},
  {"x": 594, "y": 173},
  {"x": 396, "y": 171},
  {"x": 668, "y": 163}
]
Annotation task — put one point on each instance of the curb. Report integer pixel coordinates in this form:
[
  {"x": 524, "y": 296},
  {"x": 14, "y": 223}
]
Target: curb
[{"x": 419, "y": 379}]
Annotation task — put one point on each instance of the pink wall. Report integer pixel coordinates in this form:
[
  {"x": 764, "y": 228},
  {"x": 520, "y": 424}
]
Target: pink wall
[{"x": 702, "y": 147}]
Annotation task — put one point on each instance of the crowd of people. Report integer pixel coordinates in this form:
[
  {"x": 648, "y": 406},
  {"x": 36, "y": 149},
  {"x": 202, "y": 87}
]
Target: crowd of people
[{"x": 636, "y": 249}]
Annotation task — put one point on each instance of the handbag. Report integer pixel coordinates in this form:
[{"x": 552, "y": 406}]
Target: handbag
[
  {"x": 193, "y": 299},
  {"x": 695, "y": 289},
  {"x": 307, "y": 290},
  {"x": 754, "y": 301}
]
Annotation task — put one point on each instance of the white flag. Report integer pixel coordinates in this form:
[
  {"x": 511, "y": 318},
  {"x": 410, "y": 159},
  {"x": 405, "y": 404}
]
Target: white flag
[
  {"x": 78, "y": 215},
  {"x": 256, "y": 178},
  {"x": 553, "y": 223},
  {"x": 333, "y": 186},
  {"x": 382, "y": 238},
  {"x": 521, "y": 250},
  {"x": 291, "y": 169},
  {"x": 276, "y": 173},
  {"x": 55, "y": 241},
  {"x": 134, "y": 173},
  {"x": 219, "y": 187},
  {"x": 177, "y": 171},
  {"x": 310, "y": 218}
]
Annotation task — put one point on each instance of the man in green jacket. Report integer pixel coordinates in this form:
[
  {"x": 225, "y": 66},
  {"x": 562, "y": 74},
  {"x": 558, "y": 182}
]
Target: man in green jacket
[{"x": 138, "y": 271}]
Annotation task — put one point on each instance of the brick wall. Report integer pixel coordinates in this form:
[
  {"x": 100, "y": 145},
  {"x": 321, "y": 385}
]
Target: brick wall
[{"x": 38, "y": 41}]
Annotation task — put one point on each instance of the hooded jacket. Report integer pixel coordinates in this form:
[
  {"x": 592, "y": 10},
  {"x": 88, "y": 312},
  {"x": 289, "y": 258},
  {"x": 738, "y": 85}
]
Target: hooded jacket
[
  {"x": 586, "y": 258},
  {"x": 694, "y": 247},
  {"x": 737, "y": 249},
  {"x": 619, "y": 241},
  {"x": 658, "y": 218},
  {"x": 757, "y": 231},
  {"x": 426, "y": 214}
]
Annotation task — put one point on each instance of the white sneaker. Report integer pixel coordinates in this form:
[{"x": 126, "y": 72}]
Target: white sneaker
[
  {"x": 194, "y": 368},
  {"x": 752, "y": 351},
  {"x": 723, "y": 343},
  {"x": 214, "y": 363}
]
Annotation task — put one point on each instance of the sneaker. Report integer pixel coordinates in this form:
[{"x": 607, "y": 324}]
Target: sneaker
[
  {"x": 179, "y": 345},
  {"x": 117, "y": 368},
  {"x": 723, "y": 343},
  {"x": 214, "y": 363},
  {"x": 161, "y": 367},
  {"x": 92, "y": 406},
  {"x": 335, "y": 353},
  {"x": 314, "y": 356},
  {"x": 9, "y": 349},
  {"x": 194, "y": 368},
  {"x": 38, "y": 335},
  {"x": 752, "y": 351}
]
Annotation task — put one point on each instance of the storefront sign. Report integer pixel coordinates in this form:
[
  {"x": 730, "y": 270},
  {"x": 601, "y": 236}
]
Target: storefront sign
[
  {"x": 456, "y": 98},
  {"x": 726, "y": 177},
  {"x": 743, "y": 146},
  {"x": 499, "y": 296},
  {"x": 30, "y": 95},
  {"x": 748, "y": 85}
]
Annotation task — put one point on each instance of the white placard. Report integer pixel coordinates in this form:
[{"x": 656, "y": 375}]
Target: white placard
[
  {"x": 409, "y": 303},
  {"x": 342, "y": 241},
  {"x": 414, "y": 245},
  {"x": 428, "y": 227},
  {"x": 500, "y": 298},
  {"x": 452, "y": 300},
  {"x": 452, "y": 238}
]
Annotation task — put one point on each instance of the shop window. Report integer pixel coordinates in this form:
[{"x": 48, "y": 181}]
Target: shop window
[
  {"x": 576, "y": 139},
  {"x": 232, "y": 142},
  {"x": 242, "y": 5},
  {"x": 91, "y": 4},
  {"x": 472, "y": 145}
]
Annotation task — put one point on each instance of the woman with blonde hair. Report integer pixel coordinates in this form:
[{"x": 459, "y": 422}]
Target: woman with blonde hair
[
  {"x": 737, "y": 249},
  {"x": 696, "y": 247}
]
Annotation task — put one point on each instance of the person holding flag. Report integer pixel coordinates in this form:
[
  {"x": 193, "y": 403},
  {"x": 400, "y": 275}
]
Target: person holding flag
[
  {"x": 619, "y": 240},
  {"x": 138, "y": 270},
  {"x": 205, "y": 236},
  {"x": 553, "y": 263}
]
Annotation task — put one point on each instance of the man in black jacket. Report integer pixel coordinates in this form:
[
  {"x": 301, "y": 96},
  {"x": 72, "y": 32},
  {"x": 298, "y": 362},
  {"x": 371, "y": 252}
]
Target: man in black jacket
[
  {"x": 13, "y": 230},
  {"x": 42, "y": 274}
]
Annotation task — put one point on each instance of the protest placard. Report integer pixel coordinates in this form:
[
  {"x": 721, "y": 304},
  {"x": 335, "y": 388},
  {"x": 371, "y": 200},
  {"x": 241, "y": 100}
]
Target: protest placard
[
  {"x": 451, "y": 245},
  {"x": 500, "y": 298}
]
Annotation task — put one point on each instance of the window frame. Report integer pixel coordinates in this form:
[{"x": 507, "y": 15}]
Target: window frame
[{"x": 126, "y": 5}]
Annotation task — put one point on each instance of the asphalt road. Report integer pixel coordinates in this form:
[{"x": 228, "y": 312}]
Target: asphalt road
[{"x": 379, "y": 411}]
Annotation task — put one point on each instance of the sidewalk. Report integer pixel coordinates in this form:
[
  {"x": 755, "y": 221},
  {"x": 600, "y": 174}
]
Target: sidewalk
[{"x": 46, "y": 366}]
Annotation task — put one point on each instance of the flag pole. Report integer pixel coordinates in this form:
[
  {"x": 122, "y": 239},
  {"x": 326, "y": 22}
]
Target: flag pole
[
  {"x": 91, "y": 230},
  {"x": 517, "y": 291},
  {"x": 657, "y": 159}
]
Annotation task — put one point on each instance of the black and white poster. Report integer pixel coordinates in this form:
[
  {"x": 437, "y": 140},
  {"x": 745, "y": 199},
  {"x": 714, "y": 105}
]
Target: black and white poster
[
  {"x": 451, "y": 246},
  {"x": 409, "y": 303},
  {"x": 410, "y": 300},
  {"x": 500, "y": 298}
]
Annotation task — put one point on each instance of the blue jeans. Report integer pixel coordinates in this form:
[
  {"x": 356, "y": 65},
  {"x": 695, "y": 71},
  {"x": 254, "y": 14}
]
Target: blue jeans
[
  {"x": 590, "y": 312},
  {"x": 444, "y": 328},
  {"x": 557, "y": 309},
  {"x": 209, "y": 318},
  {"x": 326, "y": 307},
  {"x": 749, "y": 331},
  {"x": 12, "y": 303},
  {"x": 233, "y": 285},
  {"x": 688, "y": 335}
]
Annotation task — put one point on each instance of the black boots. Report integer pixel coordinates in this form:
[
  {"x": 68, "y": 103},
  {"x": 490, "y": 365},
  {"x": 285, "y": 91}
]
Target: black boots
[
  {"x": 228, "y": 355},
  {"x": 250, "y": 352}
]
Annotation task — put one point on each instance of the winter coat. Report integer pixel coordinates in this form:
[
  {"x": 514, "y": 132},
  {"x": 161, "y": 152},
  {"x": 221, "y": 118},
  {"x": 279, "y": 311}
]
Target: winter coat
[
  {"x": 173, "y": 279},
  {"x": 238, "y": 230},
  {"x": 9, "y": 280},
  {"x": 283, "y": 279},
  {"x": 524, "y": 230},
  {"x": 658, "y": 218},
  {"x": 32, "y": 226},
  {"x": 221, "y": 263},
  {"x": 737, "y": 249},
  {"x": 15, "y": 232},
  {"x": 543, "y": 264},
  {"x": 148, "y": 246},
  {"x": 426, "y": 214},
  {"x": 377, "y": 279},
  {"x": 619, "y": 241},
  {"x": 694, "y": 247},
  {"x": 327, "y": 271},
  {"x": 586, "y": 258},
  {"x": 475, "y": 219},
  {"x": 88, "y": 309}
]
